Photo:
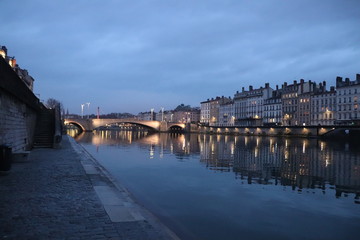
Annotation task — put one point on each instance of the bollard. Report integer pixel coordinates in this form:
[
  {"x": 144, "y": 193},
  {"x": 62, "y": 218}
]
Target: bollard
[{"x": 5, "y": 158}]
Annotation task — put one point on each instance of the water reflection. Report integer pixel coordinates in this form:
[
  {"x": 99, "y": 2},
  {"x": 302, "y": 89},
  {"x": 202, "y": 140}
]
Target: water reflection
[{"x": 302, "y": 164}]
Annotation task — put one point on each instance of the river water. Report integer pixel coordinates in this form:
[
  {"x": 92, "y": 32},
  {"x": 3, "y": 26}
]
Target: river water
[{"x": 237, "y": 187}]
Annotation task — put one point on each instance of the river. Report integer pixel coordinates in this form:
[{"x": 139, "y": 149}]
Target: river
[{"x": 237, "y": 187}]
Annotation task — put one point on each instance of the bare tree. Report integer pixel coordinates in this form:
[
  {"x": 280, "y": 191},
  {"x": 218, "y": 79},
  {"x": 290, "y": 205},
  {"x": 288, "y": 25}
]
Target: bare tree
[{"x": 53, "y": 103}]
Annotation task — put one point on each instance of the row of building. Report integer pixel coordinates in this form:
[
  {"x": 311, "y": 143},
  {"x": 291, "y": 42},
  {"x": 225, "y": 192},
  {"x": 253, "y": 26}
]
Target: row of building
[
  {"x": 300, "y": 103},
  {"x": 22, "y": 73},
  {"x": 188, "y": 115}
]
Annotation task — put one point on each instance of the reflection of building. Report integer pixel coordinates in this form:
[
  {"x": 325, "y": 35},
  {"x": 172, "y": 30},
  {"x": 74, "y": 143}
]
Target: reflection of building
[
  {"x": 249, "y": 105},
  {"x": 348, "y": 97},
  {"x": 217, "y": 152},
  {"x": 299, "y": 163}
]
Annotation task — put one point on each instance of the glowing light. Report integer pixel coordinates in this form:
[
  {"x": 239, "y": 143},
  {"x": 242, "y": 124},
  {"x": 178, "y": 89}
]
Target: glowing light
[{"x": 304, "y": 147}]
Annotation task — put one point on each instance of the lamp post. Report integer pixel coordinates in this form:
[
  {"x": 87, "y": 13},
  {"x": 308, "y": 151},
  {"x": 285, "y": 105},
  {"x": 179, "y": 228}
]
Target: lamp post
[
  {"x": 88, "y": 107},
  {"x": 82, "y": 110},
  {"x": 162, "y": 114},
  {"x": 151, "y": 114}
]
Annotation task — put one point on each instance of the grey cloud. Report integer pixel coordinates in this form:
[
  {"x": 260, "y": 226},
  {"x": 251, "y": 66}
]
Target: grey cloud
[{"x": 181, "y": 51}]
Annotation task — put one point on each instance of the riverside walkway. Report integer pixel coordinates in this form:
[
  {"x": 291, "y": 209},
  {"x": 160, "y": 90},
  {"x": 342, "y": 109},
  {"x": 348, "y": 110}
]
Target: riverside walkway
[{"x": 65, "y": 194}]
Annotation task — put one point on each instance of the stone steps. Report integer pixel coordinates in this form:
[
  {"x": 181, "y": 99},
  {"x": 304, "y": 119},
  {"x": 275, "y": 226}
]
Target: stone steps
[{"x": 44, "y": 132}]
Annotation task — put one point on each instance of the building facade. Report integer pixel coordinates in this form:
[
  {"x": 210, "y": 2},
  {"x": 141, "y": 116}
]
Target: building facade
[
  {"x": 348, "y": 96},
  {"x": 205, "y": 112},
  {"x": 291, "y": 102},
  {"x": 227, "y": 114},
  {"x": 22, "y": 73},
  {"x": 323, "y": 107},
  {"x": 189, "y": 116},
  {"x": 272, "y": 114},
  {"x": 249, "y": 105}
]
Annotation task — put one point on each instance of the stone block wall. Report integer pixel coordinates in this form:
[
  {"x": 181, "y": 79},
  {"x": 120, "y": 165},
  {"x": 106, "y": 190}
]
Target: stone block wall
[
  {"x": 18, "y": 110},
  {"x": 17, "y": 123}
]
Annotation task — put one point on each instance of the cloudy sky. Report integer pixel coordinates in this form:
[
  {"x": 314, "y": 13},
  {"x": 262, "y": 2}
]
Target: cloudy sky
[{"x": 134, "y": 55}]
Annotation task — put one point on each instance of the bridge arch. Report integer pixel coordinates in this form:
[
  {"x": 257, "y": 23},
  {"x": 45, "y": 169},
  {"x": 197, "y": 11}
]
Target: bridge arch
[
  {"x": 132, "y": 122},
  {"x": 177, "y": 127},
  {"x": 76, "y": 123},
  {"x": 91, "y": 124}
]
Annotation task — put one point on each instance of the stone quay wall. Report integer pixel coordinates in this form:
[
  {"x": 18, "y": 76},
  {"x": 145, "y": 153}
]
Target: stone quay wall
[
  {"x": 300, "y": 131},
  {"x": 18, "y": 110}
]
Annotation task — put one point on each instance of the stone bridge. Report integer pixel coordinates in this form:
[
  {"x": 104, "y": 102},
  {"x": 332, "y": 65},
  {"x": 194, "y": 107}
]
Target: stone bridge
[{"x": 158, "y": 126}]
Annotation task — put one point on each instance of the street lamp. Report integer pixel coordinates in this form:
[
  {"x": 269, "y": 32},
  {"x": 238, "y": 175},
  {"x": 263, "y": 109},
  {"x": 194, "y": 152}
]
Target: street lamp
[
  {"x": 82, "y": 110},
  {"x": 151, "y": 114},
  {"x": 162, "y": 114},
  {"x": 88, "y": 107}
]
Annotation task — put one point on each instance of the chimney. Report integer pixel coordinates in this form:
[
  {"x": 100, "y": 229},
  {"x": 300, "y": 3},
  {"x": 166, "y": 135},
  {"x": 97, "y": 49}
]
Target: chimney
[
  {"x": 302, "y": 81},
  {"x": 267, "y": 85},
  {"x": 277, "y": 87},
  {"x": 243, "y": 89},
  {"x": 295, "y": 82},
  {"x": 324, "y": 83},
  {"x": 347, "y": 81},
  {"x": 332, "y": 88},
  {"x": 338, "y": 79},
  {"x": 285, "y": 84},
  {"x": 250, "y": 88},
  {"x": 358, "y": 78}
]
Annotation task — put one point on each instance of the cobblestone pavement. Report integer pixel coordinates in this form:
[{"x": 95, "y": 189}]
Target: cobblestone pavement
[{"x": 65, "y": 194}]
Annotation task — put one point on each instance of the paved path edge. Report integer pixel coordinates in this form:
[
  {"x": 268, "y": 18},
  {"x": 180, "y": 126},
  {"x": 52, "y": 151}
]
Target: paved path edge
[{"x": 87, "y": 158}]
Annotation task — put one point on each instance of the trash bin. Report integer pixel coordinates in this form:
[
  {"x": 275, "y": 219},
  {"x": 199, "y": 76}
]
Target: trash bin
[{"x": 5, "y": 158}]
